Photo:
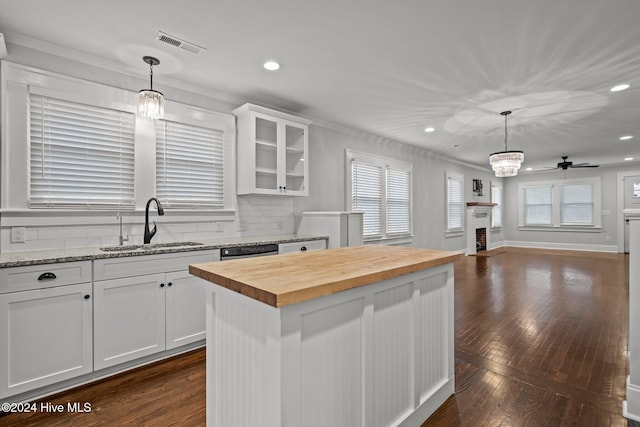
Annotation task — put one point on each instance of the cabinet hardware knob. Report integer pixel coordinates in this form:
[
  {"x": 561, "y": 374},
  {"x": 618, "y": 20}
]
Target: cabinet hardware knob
[
  {"x": 87, "y": 296},
  {"x": 303, "y": 249},
  {"x": 170, "y": 284},
  {"x": 47, "y": 276},
  {"x": 162, "y": 285}
]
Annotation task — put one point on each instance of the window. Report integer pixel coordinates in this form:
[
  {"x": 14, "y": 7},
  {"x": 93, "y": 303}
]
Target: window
[
  {"x": 189, "y": 165},
  {"x": 80, "y": 155},
  {"x": 496, "y": 211},
  {"x": 382, "y": 189},
  {"x": 538, "y": 207},
  {"x": 570, "y": 203},
  {"x": 455, "y": 193},
  {"x": 366, "y": 193},
  {"x": 576, "y": 204}
]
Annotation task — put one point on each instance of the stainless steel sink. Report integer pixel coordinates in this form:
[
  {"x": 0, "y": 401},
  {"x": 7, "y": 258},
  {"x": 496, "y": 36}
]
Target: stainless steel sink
[{"x": 149, "y": 247}]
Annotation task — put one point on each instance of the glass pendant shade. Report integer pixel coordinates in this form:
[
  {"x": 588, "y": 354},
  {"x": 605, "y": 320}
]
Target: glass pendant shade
[
  {"x": 151, "y": 104},
  {"x": 506, "y": 163}
]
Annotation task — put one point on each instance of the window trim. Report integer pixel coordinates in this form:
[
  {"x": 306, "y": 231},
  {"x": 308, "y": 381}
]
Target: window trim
[
  {"x": 385, "y": 163},
  {"x": 455, "y": 231},
  {"x": 556, "y": 224}
]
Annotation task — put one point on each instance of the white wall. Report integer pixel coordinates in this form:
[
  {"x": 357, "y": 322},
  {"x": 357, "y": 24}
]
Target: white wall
[{"x": 580, "y": 240}]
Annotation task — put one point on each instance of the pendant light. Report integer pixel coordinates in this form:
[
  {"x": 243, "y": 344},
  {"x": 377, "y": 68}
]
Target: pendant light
[
  {"x": 506, "y": 163},
  {"x": 151, "y": 102}
]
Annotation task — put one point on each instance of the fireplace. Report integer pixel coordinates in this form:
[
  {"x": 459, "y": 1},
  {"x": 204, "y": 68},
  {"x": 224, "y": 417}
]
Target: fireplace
[
  {"x": 481, "y": 239},
  {"x": 478, "y": 224}
]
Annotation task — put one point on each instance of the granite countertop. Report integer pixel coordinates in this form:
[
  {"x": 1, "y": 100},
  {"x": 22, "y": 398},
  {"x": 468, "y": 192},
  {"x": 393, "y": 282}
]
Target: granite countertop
[
  {"x": 50, "y": 256},
  {"x": 296, "y": 277}
]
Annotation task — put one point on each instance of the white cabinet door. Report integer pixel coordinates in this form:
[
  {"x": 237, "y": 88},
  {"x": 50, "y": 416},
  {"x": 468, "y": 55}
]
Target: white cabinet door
[
  {"x": 272, "y": 152},
  {"x": 185, "y": 309},
  {"x": 45, "y": 337},
  {"x": 129, "y": 318}
]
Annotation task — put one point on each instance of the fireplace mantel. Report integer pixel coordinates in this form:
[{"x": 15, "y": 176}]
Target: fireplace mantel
[{"x": 470, "y": 204}]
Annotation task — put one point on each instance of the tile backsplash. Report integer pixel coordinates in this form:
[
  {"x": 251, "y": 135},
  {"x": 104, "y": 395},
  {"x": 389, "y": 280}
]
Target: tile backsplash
[{"x": 256, "y": 215}]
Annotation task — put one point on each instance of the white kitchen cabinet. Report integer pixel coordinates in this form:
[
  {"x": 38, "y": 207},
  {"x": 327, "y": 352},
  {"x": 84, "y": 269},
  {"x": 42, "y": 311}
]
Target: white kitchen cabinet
[
  {"x": 137, "y": 316},
  {"x": 185, "y": 322},
  {"x": 272, "y": 150},
  {"x": 129, "y": 319},
  {"x": 310, "y": 245},
  {"x": 45, "y": 326}
]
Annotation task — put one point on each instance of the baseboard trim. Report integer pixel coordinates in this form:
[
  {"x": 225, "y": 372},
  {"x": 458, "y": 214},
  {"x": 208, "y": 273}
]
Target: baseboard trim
[{"x": 563, "y": 246}]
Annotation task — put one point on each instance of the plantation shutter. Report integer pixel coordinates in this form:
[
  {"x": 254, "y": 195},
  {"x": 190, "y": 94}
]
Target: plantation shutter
[
  {"x": 80, "y": 155},
  {"x": 189, "y": 165},
  {"x": 454, "y": 204},
  {"x": 398, "y": 201},
  {"x": 366, "y": 195}
]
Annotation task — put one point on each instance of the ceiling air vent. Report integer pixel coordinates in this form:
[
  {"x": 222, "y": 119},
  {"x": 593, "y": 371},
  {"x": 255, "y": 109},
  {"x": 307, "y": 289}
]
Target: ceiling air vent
[{"x": 182, "y": 44}]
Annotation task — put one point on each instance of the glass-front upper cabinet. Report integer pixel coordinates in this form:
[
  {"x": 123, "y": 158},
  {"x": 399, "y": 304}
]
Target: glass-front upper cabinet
[{"x": 272, "y": 152}]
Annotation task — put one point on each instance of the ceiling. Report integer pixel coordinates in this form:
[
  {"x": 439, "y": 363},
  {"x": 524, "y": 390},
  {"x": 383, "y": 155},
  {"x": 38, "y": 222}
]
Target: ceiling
[{"x": 387, "y": 68}]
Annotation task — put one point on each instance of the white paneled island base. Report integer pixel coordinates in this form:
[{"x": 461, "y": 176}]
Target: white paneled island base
[{"x": 377, "y": 354}]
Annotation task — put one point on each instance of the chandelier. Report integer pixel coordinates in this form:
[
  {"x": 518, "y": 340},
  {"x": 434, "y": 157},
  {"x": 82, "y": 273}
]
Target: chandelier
[
  {"x": 151, "y": 102},
  {"x": 506, "y": 163}
]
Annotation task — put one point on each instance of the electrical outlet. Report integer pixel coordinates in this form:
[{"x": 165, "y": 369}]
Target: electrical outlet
[
  {"x": 219, "y": 227},
  {"x": 607, "y": 238},
  {"x": 18, "y": 234}
]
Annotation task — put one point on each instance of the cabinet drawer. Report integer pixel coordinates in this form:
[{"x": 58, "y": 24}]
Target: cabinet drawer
[
  {"x": 43, "y": 276},
  {"x": 114, "y": 268},
  {"x": 311, "y": 245}
]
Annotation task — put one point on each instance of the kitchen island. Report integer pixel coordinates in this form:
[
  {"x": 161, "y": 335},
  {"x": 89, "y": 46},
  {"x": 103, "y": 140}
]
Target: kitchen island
[{"x": 355, "y": 336}]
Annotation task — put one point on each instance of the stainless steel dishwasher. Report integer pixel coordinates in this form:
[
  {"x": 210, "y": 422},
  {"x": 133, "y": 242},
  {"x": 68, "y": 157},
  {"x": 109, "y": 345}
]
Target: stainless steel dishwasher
[{"x": 249, "y": 251}]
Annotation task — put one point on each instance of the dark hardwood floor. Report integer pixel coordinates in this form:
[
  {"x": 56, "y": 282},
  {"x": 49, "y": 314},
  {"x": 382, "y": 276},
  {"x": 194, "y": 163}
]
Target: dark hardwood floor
[
  {"x": 540, "y": 341},
  {"x": 541, "y": 338}
]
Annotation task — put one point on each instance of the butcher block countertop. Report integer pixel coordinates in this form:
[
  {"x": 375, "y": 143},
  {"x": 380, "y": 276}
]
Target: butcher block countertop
[{"x": 292, "y": 278}]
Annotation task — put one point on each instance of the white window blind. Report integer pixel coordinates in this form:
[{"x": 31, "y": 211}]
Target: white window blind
[
  {"x": 366, "y": 196},
  {"x": 496, "y": 211},
  {"x": 80, "y": 155},
  {"x": 381, "y": 188},
  {"x": 398, "y": 201},
  {"x": 538, "y": 205},
  {"x": 576, "y": 204},
  {"x": 189, "y": 165},
  {"x": 454, "y": 203}
]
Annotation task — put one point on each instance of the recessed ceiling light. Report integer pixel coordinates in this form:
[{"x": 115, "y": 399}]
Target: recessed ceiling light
[
  {"x": 271, "y": 66},
  {"x": 529, "y": 169},
  {"x": 624, "y": 138},
  {"x": 429, "y": 129},
  {"x": 619, "y": 87},
  {"x": 628, "y": 158}
]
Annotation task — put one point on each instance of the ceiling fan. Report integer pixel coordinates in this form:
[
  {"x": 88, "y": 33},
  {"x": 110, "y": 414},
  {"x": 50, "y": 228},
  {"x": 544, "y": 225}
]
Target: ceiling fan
[{"x": 566, "y": 164}]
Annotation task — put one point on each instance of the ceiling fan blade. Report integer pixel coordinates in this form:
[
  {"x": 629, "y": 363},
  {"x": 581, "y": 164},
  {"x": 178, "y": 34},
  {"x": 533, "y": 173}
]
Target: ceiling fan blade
[{"x": 585, "y": 166}]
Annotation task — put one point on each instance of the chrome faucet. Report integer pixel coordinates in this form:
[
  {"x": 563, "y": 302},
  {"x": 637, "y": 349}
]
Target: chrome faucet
[
  {"x": 148, "y": 234},
  {"x": 121, "y": 238}
]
